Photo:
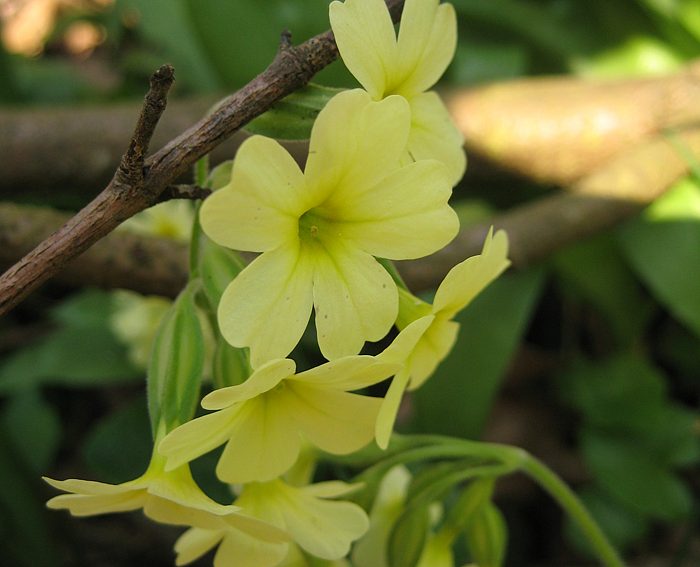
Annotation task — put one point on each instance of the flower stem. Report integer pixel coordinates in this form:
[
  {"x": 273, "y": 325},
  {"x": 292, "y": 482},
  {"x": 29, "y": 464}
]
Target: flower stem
[{"x": 568, "y": 500}]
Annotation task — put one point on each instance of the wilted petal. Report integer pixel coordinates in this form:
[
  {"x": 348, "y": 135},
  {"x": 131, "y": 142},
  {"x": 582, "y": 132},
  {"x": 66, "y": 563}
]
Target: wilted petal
[
  {"x": 267, "y": 307},
  {"x": 354, "y": 143},
  {"x": 366, "y": 40},
  {"x": 405, "y": 216},
  {"x": 263, "y": 441},
  {"x": 427, "y": 43},
  {"x": 434, "y": 135},
  {"x": 354, "y": 297},
  {"x": 468, "y": 278},
  {"x": 336, "y": 422},
  {"x": 259, "y": 209}
]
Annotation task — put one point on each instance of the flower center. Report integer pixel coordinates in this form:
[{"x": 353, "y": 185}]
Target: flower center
[{"x": 312, "y": 227}]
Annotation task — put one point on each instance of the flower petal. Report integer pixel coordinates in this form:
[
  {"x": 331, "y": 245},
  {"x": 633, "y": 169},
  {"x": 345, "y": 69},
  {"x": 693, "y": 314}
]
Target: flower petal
[
  {"x": 354, "y": 297},
  {"x": 336, "y": 422},
  {"x": 366, "y": 40},
  {"x": 194, "y": 438},
  {"x": 405, "y": 216},
  {"x": 354, "y": 143},
  {"x": 262, "y": 380},
  {"x": 348, "y": 373},
  {"x": 468, "y": 278},
  {"x": 390, "y": 409},
  {"x": 332, "y": 488},
  {"x": 434, "y": 135},
  {"x": 194, "y": 543},
  {"x": 426, "y": 44},
  {"x": 324, "y": 528},
  {"x": 241, "y": 550},
  {"x": 434, "y": 346},
  {"x": 267, "y": 307},
  {"x": 263, "y": 441},
  {"x": 259, "y": 209},
  {"x": 402, "y": 346},
  {"x": 94, "y": 504}
]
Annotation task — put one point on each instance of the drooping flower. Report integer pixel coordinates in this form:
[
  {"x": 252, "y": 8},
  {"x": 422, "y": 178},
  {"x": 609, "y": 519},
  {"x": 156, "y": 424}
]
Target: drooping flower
[
  {"x": 319, "y": 230},
  {"x": 433, "y": 324},
  {"x": 322, "y": 527},
  {"x": 407, "y": 66},
  {"x": 265, "y": 420},
  {"x": 169, "y": 497}
]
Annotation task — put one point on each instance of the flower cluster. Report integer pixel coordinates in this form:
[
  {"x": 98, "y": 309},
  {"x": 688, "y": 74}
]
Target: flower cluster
[{"x": 380, "y": 170}]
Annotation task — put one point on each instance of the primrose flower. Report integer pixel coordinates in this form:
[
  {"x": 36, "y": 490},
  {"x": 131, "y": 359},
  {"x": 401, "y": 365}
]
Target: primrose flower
[
  {"x": 428, "y": 331},
  {"x": 408, "y": 67},
  {"x": 168, "y": 497},
  {"x": 319, "y": 230},
  {"x": 264, "y": 420},
  {"x": 321, "y": 527}
]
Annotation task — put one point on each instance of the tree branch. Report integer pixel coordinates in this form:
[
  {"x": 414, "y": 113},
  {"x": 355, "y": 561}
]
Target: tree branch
[
  {"x": 291, "y": 69},
  {"x": 536, "y": 230}
]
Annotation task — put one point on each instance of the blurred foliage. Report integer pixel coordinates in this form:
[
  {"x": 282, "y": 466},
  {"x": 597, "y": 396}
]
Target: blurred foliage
[{"x": 616, "y": 318}]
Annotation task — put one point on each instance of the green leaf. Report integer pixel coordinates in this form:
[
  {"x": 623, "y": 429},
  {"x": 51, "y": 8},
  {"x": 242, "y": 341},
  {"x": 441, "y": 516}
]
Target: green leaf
[
  {"x": 663, "y": 247},
  {"x": 83, "y": 351},
  {"x": 177, "y": 363},
  {"x": 595, "y": 270},
  {"x": 635, "y": 477},
  {"x": 458, "y": 397},
  {"x": 33, "y": 427},
  {"x": 293, "y": 117},
  {"x": 128, "y": 429}
]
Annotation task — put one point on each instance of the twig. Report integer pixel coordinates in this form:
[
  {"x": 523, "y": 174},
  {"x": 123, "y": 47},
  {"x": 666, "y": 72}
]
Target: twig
[
  {"x": 291, "y": 69},
  {"x": 192, "y": 192}
]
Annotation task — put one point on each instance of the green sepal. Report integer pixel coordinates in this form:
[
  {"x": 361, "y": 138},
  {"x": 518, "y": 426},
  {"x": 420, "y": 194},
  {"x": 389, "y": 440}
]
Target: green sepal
[
  {"x": 408, "y": 537},
  {"x": 293, "y": 117},
  {"x": 231, "y": 365},
  {"x": 218, "y": 266},
  {"x": 468, "y": 505},
  {"x": 177, "y": 363},
  {"x": 487, "y": 536}
]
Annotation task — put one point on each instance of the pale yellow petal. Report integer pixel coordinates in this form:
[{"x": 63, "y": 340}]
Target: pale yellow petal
[
  {"x": 336, "y": 422},
  {"x": 172, "y": 513},
  {"x": 434, "y": 135},
  {"x": 94, "y": 504},
  {"x": 434, "y": 346},
  {"x": 194, "y": 543},
  {"x": 259, "y": 209},
  {"x": 405, "y": 342},
  {"x": 267, "y": 307},
  {"x": 468, "y": 278},
  {"x": 324, "y": 528},
  {"x": 354, "y": 297},
  {"x": 366, "y": 40},
  {"x": 348, "y": 373},
  {"x": 332, "y": 488},
  {"x": 390, "y": 409},
  {"x": 405, "y": 216},
  {"x": 241, "y": 550},
  {"x": 263, "y": 441},
  {"x": 354, "y": 143},
  {"x": 194, "y": 438},
  {"x": 427, "y": 43},
  {"x": 91, "y": 487},
  {"x": 263, "y": 379}
]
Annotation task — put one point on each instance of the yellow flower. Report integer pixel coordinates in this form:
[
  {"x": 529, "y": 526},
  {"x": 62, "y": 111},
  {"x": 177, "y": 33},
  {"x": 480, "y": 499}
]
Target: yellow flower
[
  {"x": 319, "y": 230},
  {"x": 408, "y": 67},
  {"x": 433, "y": 324},
  {"x": 265, "y": 420},
  {"x": 323, "y": 528},
  {"x": 168, "y": 497}
]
